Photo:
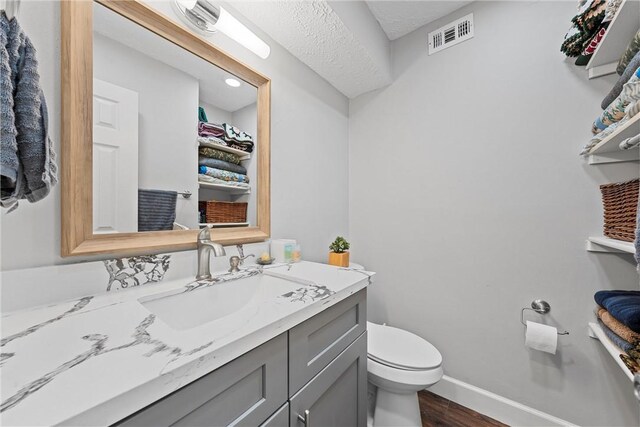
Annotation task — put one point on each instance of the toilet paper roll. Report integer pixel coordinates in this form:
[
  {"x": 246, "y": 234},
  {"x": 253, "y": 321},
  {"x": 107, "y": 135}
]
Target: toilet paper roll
[{"x": 541, "y": 337}]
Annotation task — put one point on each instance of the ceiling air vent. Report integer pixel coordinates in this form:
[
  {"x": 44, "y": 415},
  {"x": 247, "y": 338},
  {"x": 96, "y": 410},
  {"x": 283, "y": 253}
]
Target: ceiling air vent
[{"x": 451, "y": 34}]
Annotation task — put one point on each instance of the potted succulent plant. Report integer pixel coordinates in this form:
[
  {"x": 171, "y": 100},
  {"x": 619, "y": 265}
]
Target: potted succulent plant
[{"x": 339, "y": 255}]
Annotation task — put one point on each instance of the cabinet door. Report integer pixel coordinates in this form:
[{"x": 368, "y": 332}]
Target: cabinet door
[
  {"x": 245, "y": 391},
  {"x": 337, "y": 396},
  {"x": 279, "y": 419},
  {"x": 317, "y": 341}
]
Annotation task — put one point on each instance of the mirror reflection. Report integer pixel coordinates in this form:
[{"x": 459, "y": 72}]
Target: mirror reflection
[{"x": 174, "y": 136}]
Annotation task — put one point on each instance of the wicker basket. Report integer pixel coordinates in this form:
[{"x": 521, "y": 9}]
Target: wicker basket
[
  {"x": 620, "y": 201},
  {"x": 217, "y": 212}
]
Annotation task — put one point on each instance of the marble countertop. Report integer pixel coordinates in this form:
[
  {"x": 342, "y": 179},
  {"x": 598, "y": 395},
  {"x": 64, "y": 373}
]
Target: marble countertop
[{"x": 98, "y": 359}]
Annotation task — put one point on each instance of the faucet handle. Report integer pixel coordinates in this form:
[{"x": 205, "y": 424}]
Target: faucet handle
[{"x": 205, "y": 235}]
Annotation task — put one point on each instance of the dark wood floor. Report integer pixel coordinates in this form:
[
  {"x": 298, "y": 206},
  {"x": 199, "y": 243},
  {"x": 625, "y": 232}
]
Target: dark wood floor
[{"x": 437, "y": 411}]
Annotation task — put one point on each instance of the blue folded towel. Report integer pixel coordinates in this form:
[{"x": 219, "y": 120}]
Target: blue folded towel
[
  {"x": 624, "y": 345},
  {"x": 623, "y": 305}
]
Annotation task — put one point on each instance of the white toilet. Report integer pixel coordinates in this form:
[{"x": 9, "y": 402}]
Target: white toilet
[{"x": 400, "y": 364}]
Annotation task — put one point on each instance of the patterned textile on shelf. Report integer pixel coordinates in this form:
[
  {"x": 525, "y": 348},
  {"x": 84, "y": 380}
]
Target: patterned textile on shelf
[
  {"x": 210, "y": 129},
  {"x": 624, "y": 307},
  {"x": 631, "y": 93},
  {"x": 592, "y": 45},
  {"x": 632, "y": 48},
  {"x": 211, "y": 180},
  {"x": 220, "y": 155},
  {"x": 630, "y": 363},
  {"x": 624, "y": 345},
  {"x": 585, "y": 25},
  {"x": 624, "y": 78},
  {"x": 224, "y": 175},
  {"x": 617, "y": 327},
  {"x": 616, "y": 110},
  {"x": 221, "y": 164},
  {"x": 237, "y": 139},
  {"x": 611, "y": 9}
]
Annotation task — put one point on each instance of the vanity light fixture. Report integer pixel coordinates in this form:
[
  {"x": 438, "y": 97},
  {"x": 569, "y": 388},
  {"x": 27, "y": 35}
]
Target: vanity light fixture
[
  {"x": 232, "y": 82},
  {"x": 207, "y": 18}
]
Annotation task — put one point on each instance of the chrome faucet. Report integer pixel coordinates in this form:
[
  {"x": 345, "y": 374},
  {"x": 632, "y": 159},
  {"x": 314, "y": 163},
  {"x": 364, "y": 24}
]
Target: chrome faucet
[{"x": 205, "y": 246}]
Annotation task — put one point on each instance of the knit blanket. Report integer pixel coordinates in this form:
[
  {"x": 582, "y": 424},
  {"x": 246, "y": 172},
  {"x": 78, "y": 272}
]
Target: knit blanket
[
  {"x": 624, "y": 307},
  {"x": 223, "y": 175},
  {"x": 27, "y": 160},
  {"x": 632, "y": 48},
  {"x": 221, "y": 164},
  {"x": 210, "y": 129}
]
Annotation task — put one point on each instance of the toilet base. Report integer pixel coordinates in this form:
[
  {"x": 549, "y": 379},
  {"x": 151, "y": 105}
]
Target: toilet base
[{"x": 396, "y": 410}]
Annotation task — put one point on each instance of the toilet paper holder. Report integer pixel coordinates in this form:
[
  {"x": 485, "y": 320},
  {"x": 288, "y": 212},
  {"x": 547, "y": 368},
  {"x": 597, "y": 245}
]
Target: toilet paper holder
[{"x": 540, "y": 307}]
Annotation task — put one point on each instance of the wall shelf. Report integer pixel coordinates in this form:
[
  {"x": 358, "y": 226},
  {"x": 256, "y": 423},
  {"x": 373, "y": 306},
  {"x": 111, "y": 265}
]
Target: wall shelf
[
  {"x": 605, "y": 244},
  {"x": 242, "y": 154},
  {"x": 595, "y": 331},
  {"x": 608, "y": 150},
  {"x": 224, "y": 224},
  {"x": 621, "y": 30},
  {"x": 221, "y": 187}
]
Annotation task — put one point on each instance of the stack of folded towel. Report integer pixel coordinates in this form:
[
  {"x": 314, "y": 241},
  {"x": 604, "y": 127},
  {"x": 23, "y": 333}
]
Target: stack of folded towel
[
  {"x": 226, "y": 135},
  {"x": 619, "y": 316}
]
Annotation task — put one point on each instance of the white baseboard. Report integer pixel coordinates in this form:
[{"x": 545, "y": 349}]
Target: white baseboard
[{"x": 490, "y": 404}]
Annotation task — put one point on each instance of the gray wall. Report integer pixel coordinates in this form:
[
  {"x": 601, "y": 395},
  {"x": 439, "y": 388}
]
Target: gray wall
[
  {"x": 167, "y": 146},
  {"x": 468, "y": 165},
  {"x": 309, "y": 150}
]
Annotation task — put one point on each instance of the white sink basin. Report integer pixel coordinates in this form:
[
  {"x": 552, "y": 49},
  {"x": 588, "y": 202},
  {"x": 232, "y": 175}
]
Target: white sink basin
[{"x": 188, "y": 309}]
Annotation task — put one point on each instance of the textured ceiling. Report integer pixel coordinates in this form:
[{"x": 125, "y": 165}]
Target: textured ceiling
[
  {"x": 314, "y": 33},
  {"x": 398, "y": 18}
]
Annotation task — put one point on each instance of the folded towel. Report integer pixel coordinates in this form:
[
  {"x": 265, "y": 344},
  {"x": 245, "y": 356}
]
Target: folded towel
[
  {"x": 212, "y": 153},
  {"x": 224, "y": 175},
  {"x": 221, "y": 164},
  {"x": 624, "y": 78},
  {"x": 211, "y": 180},
  {"x": 210, "y": 129},
  {"x": 202, "y": 115},
  {"x": 156, "y": 209},
  {"x": 617, "y": 340},
  {"x": 624, "y": 306}
]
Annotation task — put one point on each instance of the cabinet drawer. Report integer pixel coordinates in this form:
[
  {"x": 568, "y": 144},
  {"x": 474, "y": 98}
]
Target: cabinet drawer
[
  {"x": 279, "y": 419},
  {"x": 244, "y": 392},
  {"x": 317, "y": 341},
  {"x": 337, "y": 396}
]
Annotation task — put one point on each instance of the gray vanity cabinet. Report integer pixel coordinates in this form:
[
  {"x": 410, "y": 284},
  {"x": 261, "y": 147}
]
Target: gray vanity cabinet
[
  {"x": 245, "y": 391},
  {"x": 314, "y": 375},
  {"x": 336, "y": 397}
]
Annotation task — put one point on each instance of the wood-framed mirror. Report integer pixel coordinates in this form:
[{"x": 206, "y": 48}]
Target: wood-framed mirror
[{"x": 102, "y": 217}]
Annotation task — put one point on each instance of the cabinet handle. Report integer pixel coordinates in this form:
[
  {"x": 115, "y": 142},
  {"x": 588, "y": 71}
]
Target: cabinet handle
[{"x": 306, "y": 420}]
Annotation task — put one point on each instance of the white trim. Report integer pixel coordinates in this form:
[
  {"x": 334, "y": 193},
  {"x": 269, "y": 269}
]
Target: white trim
[{"x": 490, "y": 404}]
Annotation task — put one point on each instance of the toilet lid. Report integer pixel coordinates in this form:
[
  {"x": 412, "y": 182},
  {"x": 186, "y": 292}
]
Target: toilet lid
[{"x": 401, "y": 349}]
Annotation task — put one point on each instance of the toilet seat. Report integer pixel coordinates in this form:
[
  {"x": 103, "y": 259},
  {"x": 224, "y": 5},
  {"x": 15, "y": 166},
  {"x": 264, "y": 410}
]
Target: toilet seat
[{"x": 400, "y": 349}]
